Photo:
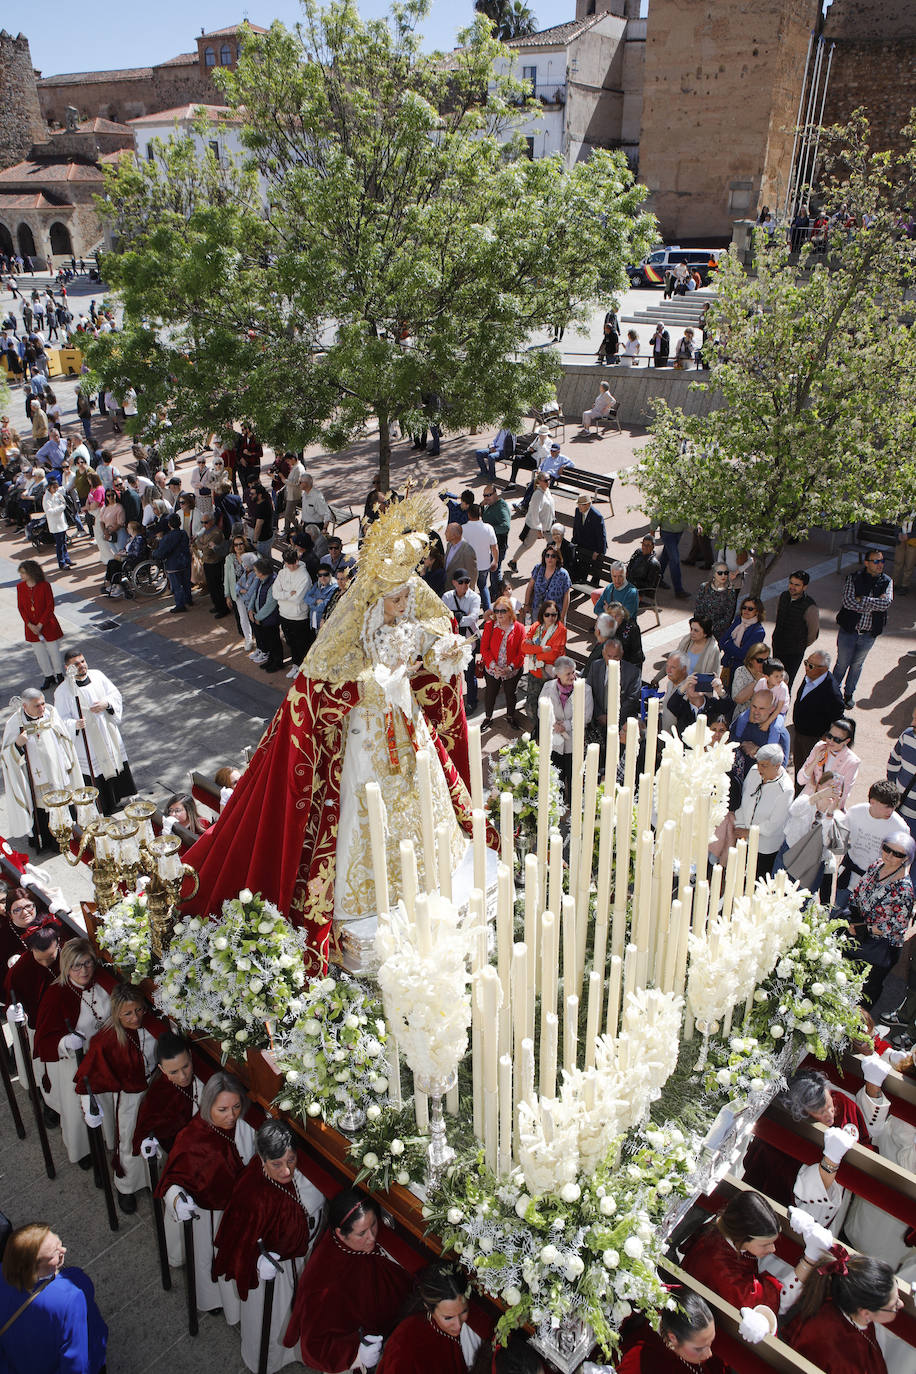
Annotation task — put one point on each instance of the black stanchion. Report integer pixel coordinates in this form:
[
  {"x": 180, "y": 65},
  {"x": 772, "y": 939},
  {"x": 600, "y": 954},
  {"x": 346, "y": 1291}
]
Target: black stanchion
[
  {"x": 35, "y": 1097},
  {"x": 267, "y": 1313},
  {"x": 10, "y": 1091},
  {"x": 190, "y": 1275},
  {"x": 159, "y": 1223}
]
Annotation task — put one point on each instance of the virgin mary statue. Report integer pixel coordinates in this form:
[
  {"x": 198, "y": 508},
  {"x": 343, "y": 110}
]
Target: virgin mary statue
[{"x": 381, "y": 682}]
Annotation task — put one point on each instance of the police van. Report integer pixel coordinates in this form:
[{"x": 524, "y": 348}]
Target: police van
[{"x": 651, "y": 271}]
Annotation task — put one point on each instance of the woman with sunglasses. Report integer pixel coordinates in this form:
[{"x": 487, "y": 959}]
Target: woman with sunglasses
[
  {"x": 747, "y": 675},
  {"x": 71, "y": 1012},
  {"x": 502, "y": 658},
  {"x": 745, "y": 631},
  {"x": 542, "y": 646},
  {"x": 717, "y": 600},
  {"x": 832, "y": 754},
  {"x": 550, "y": 580},
  {"x": 237, "y": 583},
  {"x": 879, "y": 912}
]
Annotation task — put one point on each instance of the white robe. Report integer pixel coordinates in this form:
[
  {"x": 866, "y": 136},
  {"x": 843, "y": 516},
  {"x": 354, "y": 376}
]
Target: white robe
[
  {"x": 63, "y": 1097},
  {"x": 284, "y": 1291},
  {"x": 52, "y": 759},
  {"x": 872, "y": 1230},
  {"x": 128, "y": 1107},
  {"x": 106, "y": 747},
  {"x": 223, "y": 1293}
]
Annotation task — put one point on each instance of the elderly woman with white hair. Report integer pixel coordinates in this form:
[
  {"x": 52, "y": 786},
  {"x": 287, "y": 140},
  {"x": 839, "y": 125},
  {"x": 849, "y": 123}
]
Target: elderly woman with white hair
[
  {"x": 765, "y": 800},
  {"x": 600, "y": 408},
  {"x": 879, "y": 912},
  {"x": 559, "y": 693}
]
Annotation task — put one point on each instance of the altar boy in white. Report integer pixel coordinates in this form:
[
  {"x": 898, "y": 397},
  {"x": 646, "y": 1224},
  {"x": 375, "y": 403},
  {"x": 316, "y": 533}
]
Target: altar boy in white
[{"x": 91, "y": 707}]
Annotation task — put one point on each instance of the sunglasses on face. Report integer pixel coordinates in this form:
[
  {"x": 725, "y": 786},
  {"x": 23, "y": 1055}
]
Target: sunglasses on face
[
  {"x": 549, "y": 615},
  {"x": 838, "y": 739},
  {"x": 886, "y": 849},
  {"x": 462, "y": 581}
]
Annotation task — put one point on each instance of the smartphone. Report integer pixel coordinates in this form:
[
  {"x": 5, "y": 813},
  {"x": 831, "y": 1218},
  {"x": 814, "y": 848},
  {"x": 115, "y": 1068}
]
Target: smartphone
[{"x": 704, "y": 683}]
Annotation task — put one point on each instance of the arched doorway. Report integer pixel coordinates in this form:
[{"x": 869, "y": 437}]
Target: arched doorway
[
  {"x": 26, "y": 242},
  {"x": 60, "y": 239},
  {"x": 6, "y": 241}
]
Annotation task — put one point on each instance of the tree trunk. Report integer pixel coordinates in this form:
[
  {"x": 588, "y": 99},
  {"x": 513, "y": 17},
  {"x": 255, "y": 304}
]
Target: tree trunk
[
  {"x": 763, "y": 563},
  {"x": 384, "y": 452}
]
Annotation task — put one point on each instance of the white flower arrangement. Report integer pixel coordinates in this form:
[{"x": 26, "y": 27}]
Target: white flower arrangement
[
  {"x": 696, "y": 774},
  {"x": 426, "y": 991},
  {"x": 234, "y": 977},
  {"x": 740, "y": 1067},
  {"x": 334, "y": 1055},
  {"x": 452, "y": 654},
  {"x": 124, "y": 931},
  {"x": 515, "y": 768}
]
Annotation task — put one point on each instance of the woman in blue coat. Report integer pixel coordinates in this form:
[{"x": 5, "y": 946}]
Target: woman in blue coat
[{"x": 49, "y": 1322}]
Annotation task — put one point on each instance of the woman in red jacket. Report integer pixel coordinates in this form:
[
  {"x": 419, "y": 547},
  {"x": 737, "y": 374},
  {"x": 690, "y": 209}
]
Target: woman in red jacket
[
  {"x": 502, "y": 658},
  {"x": 431, "y": 1339},
  {"x": 725, "y": 1254},
  {"x": 42, "y": 629},
  {"x": 685, "y": 1336},
  {"x": 544, "y": 643},
  {"x": 28, "y": 978},
  {"x": 119, "y": 1062},
  {"x": 351, "y": 1294},
  {"x": 833, "y": 1324}
]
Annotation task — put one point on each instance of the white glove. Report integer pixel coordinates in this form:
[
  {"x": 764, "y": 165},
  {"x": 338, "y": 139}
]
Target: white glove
[
  {"x": 149, "y": 1147},
  {"x": 900, "y": 1059},
  {"x": 268, "y": 1266},
  {"x": 754, "y": 1326},
  {"x": 224, "y": 794},
  {"x": 801, "y": 1221},
  {"x": 92, "y": 1118},
  {"x": 819, "y": 1243},
  {"x": 370, "y": 1351},
  {"x": 836, "y": 1143},
  {"x": 168, "y": 824},
  {"x": 875, "y": 1070},
  {"x": 15, "y": 1012},
  {"x": 70, "y": 1044},
  {"x": 185, "y": 1209}
]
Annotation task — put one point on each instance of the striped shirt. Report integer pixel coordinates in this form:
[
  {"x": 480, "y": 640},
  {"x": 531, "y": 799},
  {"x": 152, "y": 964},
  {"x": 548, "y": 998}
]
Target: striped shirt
[{"x": 901, "y": 769}]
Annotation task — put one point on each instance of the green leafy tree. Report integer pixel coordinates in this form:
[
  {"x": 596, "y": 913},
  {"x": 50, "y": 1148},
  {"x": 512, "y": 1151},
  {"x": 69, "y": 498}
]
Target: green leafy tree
[
  {"x": 814, "y": 366},
  {"x": 402, "y": 257},
  {"x": 510, "y": 18}
]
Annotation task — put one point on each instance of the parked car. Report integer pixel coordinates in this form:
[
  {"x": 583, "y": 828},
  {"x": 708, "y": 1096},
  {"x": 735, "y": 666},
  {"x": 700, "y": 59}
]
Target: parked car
[{"x": 651, "y": 271}]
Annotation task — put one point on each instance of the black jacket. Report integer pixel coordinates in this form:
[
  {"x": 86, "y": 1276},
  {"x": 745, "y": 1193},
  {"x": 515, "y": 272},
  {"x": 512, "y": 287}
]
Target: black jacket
[{"x": 821, "y": 707}]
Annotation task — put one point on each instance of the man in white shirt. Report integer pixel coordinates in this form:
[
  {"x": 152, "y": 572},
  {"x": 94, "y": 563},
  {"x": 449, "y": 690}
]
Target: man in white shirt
[
  {"x": 765, "y": 800},
  {"x": 289, "y": 588},
  {"x": 538, "y": 519},
  {"x": 482, "y": 539},
  {"x": 464, "y": 604},
  {"x": 314, "y": 508},
  {"x": 294, "y": 479},
  {"x": 869, "y": 824}
]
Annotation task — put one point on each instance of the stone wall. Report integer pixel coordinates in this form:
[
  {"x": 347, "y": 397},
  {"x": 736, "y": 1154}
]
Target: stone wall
[
  {"x": 635, "y": 388},
  {"x": 874, "y": 65},
  {"x": 144, "y": 90},
  {"x": 721, "y": 80},
  {"x": 21, "y": 122}
]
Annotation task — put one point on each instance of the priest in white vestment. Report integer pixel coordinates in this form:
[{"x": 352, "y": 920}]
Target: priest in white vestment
[
  {"x": 37, "y": 752},
  {"x": 90, "y": 706}
]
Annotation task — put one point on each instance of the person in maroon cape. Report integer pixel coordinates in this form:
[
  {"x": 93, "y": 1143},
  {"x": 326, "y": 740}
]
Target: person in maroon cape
[
  {"x": 725, "y": 1255},
  {"x": 382, "y": 680},
  {"x": 833, "y": 1323},
  {"x": 207, "y": 1158},
  {"x": 267, "y": 1232},
  {"x": 685, "y": 1336},
  {"x": 26, "y": 982},
  {"x": 351, "y": 1294},
  {"x": 431, "y": 1337},
  {"x": 119, "y": 1062},
  {"x": 72, "y": 1011},
  {"x": 172, "y": 1098},
  {"x": 19, "y": 913},
  {"x": 807, "y": 1097}
]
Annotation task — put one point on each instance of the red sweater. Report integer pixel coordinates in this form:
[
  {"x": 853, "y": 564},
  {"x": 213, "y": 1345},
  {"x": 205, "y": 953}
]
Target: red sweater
[
  {"x": 36, "y": 606},
  {"x": 832, "y": 1343}
]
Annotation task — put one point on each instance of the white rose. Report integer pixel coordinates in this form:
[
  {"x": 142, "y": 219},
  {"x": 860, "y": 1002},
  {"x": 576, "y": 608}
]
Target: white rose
[
  {"x": 784, "y": 968},
  {"x": 311, "y": 1026},
  {"x": 777, "y": 1032},
  {"x": 245, "y": 896},
  {"x": 633, "y": 1247},
  {"x": 370, "y": 1160},
  {"x": 818, "y": 989},
  {"x": 570, "y": 1192},
  {"x": 256, "y": 985},
  {"x": 352, "y": 1022},
  {"x": 806, "y": 1005},
  {"x": 511, "y": 1296},
  {"x": 244, "y": 965},
  {"x": 807, "y": 1028},
  {"x": 663, "y": 1187},
  {"x": 761, "y": 996},
  {"x": 521, "y": 1205},
  {"x": 724, "y": 1077},
  {"x": 607, "y": 1206},
  {"x": 241, "y": 1035},
  {"x": 486, "y": 1245},
  {"x": 380, "y": 1085},
  {"x": 574, "y": 1267},
  {"x": 454, "y": 1215},
  {"x": 292, "y": 1075},
  {"x": 314, "y": 1109},
  {"x": 516, "y": 778},
  {"x": 404, "y": 1178},
  {"x": 620, "y": 1311},
  {"x": 550, "y": 1254},
  {"x": 757, "y": 1084},
  {"x": 610, "y": 1259},
  {"x": 286, "y": 1104},
  {"x": 373, "y": 1113},
  {"x": 396, "y": 1147},
  {"x": 840, "y": 977}
]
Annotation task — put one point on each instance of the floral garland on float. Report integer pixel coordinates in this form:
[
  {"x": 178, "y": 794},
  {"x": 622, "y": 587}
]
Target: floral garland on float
[{"x": 125, "y": 933}]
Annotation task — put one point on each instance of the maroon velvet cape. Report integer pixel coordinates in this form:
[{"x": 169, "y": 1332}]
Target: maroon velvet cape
[
  {"x": 110, "y": 1067},
  {"x": 27, "y": 982},
  {"x": 773, "y": 1173},
  {"x": 11, "y": 941},
  {"x": 734, "y": 1277},
  {"x": 647, "y": 1353},
  {"x": 203, "y": 1161},
  {"x": 277, "y": 834},
  {"x": 342, "y": 1296},
  {"x": 832, "y": 1343},
  {"x": 59, "y": 1005},
  {"x": 257, "y": 1210},
  {"x": 417, "y": 1346},
  {"x": 164, "y": 1111}
]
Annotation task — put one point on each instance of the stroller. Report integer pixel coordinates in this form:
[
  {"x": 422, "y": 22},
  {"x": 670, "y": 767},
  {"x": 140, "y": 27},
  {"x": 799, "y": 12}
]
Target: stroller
[{"x": 37, "y": 532}]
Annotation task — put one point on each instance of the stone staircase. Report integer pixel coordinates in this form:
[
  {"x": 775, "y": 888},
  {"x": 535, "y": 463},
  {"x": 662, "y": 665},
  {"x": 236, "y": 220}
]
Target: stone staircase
[{"x": 677, "y": 313}]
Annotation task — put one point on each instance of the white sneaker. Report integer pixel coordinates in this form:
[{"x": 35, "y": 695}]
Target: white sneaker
[
  {"x": 253, "y": 651},
  {"x": 259, "y": 658},
  {"x": 293, "y": 672},
  {"x": 116, "y": 594}
]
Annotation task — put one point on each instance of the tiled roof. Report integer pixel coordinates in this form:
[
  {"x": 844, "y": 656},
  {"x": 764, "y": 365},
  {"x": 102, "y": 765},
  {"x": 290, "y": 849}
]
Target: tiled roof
[
  {"x": 101, "y": 126},
  {"x": 116, "y": 155},
  {"x": 234, "y": 28},
  {"x": 37, "y": 200},
  {"x": 557, "y": 36},
  {"x": 86, "y": 78},
  {"x": 38, "y": 172},
  {"x": 184, "y": 59},
  {"x": 217, "y": 114}
]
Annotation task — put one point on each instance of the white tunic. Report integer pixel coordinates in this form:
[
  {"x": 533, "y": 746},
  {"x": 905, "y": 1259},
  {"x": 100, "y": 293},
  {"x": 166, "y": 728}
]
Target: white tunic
[
  {"x": 51, "y": 759},
  {"x": 106, "y": 746},
  {"x": 128, "y": 1107},
  {"x": 95, "y": 1006},
  {"x": 872, "y": 1230}
]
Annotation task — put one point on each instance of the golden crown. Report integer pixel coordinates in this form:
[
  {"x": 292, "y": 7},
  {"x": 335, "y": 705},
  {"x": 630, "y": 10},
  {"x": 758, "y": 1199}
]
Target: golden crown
[{"x": 397, "y": 541}]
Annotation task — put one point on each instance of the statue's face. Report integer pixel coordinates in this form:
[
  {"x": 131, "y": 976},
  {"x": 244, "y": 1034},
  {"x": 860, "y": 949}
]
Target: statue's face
[{"x": 395, "y": 606}]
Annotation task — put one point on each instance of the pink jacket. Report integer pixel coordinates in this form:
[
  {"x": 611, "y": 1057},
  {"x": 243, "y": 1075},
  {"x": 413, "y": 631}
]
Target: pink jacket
[{"x": 844, "y": 766}]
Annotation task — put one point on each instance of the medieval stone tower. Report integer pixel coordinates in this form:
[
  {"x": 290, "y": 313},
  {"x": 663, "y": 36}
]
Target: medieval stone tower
[{"x": 21, "y": 123}]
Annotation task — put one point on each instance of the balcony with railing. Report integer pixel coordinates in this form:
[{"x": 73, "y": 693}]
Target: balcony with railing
[{"x": 552, "y": 93}]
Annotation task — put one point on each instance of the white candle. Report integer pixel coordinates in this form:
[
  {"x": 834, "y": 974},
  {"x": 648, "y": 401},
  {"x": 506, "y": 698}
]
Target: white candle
[
  {"x": 699, "y": 739},
  {"x": 526, "y": 1073},
  {"x": 424, "y": 929},
  {"x": 685, "y": 849},
  {"x": 570, "y": 1033},
  {"x": 507, "y": 834},
  {"x": 477, "y": 1049},
  {"x": 701, "y": 834},
  {"x": 504, "y": 954},
  {"x": 612, "y": 735},
  {"x": 409, "y": 884},
  {"x": 664, "y": 791},
  {"x": 586, "y": 854},
  {"x": 555, "y": 875},
  {"x": 427, "y": 818},
  {"x": 605, "y": 853},
  {"x": 670, "y": 960},
  {"x": 532, "y": 909},
  {"x": 740, "y": 869},
  {"x": 593, "y": 1016},
  {"x": 575, "y": 791},
  {"x": 421, "y": 1110},
  {"x": 394, "y": 1073},
  {"x": 451, "y": 1101},
  {"x": 570, "y": 977},
  {"x": 490, "y": 1000},
  {"x": 753, "y": 849},
  {"x": 651, "y": 734},
  {"x": 444, "y": 862},
  {"x": 664, "y": 871},
  {"x": 700, "y": 907},
  {"x": 550, "y": 951},
  {"x": 520, "y": 1028},
  {"x": 644, "y": 865},
  {"x": 715, "y": 887},
  {"x": 630, "y": 961},
  {"x": 491, "y": 1129},
  {"x": 544, "y": 729},
  {"x": 644, "y": 803},
  {"x": 478, "y": 833},
  {"x": 622, "y": 828},
  {"x": 731, "y": 877},
  {"x": 475, "y": 764},
  {"x": 506, "y": 1114},
  {"x": 613, "y": 999},
  {"x": 632, "y": 754},
  {"x": 547, "y": 1076}
]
